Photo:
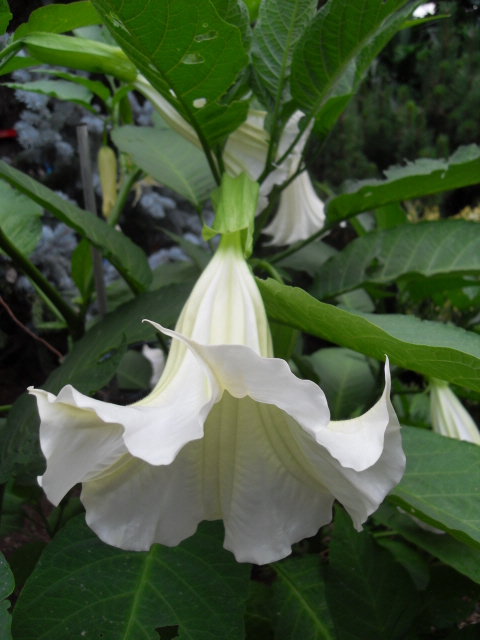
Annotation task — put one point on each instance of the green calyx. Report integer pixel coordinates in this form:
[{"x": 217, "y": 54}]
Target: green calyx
[{"x": 235, "y": 203}]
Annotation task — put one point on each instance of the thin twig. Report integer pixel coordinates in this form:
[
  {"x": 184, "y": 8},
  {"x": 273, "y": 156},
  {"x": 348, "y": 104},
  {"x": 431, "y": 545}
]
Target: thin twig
[{"x": 17, "y": 321}]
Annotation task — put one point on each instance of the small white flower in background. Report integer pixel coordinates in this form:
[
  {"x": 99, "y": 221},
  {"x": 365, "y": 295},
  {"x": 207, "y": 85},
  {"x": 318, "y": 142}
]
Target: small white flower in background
[
  {"x": 228, "y": 433},
  {"x": 449, "y": 416},
  {"x": 301, "y": 211},
  {"x": 424, "y": 10}
]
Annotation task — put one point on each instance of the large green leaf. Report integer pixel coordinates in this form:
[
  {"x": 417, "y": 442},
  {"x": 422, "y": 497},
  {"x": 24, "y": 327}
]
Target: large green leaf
[
  {"x": 338, "y": 47},
  {"x": 461, "y": 557},
  {"x": 5, "y": 16},
  {"x": 447, "y": 248},
  {"x": 77, "y": 53},
  {"x": 416, "y": 179},
  {"x": 59, "y": 89},
  {"x": 280, "y": 25},
  {"x": 19, "y": 219},
  {"x": 369, "y": 595},
  {"x": 235, "y": 12},
  {"x": 441, "y": 484},
  {"x": 94, "y": 590},
  {"x": 59, "y": 18},
  {"x": 88, "y": 370},
  {"x": 299, "y": 600},
  {"x": 126, "y": 256},
  {"x": 7, "y": 585},
  {"x": 184, "y": 48},
  {"x": 168, "y": 158},
  {"x": 95, "y": 86},
  {"x": 431, "y": 348}
]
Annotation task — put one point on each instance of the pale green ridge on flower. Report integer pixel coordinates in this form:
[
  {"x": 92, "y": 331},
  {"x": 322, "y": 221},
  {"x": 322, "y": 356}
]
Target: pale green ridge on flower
[
  {"x": 228, "y": 433},
  {"x": 449, "y": 416}
]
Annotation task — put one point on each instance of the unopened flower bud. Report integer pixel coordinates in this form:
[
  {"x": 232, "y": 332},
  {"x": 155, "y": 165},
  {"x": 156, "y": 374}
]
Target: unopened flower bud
[{"x": 107, "y": 168}]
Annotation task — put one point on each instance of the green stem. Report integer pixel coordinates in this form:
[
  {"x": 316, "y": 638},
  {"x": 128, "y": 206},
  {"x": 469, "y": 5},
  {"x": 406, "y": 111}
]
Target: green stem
[
  {"x": 126, "y": 186},
  {"x": 72, "y": 318},
  {"x": 5, "y": 408},
  {"x": 296, "y": 247},
  {"x": 10, "y": 52},
  {"x": 268, "y": 268}
]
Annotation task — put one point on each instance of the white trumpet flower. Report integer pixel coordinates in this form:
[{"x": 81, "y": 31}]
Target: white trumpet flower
[
  {"x": 301, "y": 212},
  {"x": 449, "y": 416},
  {"x": 228, "y": 433}
]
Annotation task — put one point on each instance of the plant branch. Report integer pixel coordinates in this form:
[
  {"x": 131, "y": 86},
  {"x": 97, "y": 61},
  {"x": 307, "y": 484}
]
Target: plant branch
[
  {"x": 30, "y": 333},
  {"x": 72, "y": 318},
  {"x": 299, "y": 245},
  {"x": 125, "y": 188}
]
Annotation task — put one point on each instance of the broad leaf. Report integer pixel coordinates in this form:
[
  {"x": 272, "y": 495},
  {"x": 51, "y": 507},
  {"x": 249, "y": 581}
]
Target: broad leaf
[
  {"x": 7, "y": 585},
  {"x": 81, "y": 269},
  {"x": 18, "y": 63},
  {"x": 5, "y": 16},
  {"x": 19, "y": 219},
  {"x": 450, "y": 599},
  {"x": 258, "y": 612},
  {"x": 430, "y": 348},
  {"x": 127, "y": 257},
  {"x": 441, "y": 484},
  {"x": 280, "y": 25},
  {"x": 91, "y": 588},
  {"x": 447, "y": 248},
  {"x": 134, "y": 371},
  {"x": 95, "y": 86},
  {"x": 163, "y": 275},
  {"x": 411, "y": 559},
  {"x": 347, "y": 379},
  {"x": 417, "y": 179},
  {"x": 59, "y": 89},
  {"x": 299, "y": 600},
  {"x": 338, "y": 47},
  {"x": 462, "y": 557},
  {"x": 184, "y": 48},
  {"x": 86, "y": 368},
  {"x": 77, "y": 53},
  {"x": 369, "y": 595},
  {"x": 235, "y": 12},
  {"x": 168, "y": 158},
  {"x": 59, "y": 18}
]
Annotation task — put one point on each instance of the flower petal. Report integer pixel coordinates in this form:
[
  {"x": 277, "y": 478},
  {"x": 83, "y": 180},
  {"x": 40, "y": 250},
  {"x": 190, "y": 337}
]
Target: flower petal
[
  {"x": 360, "y": 492},
  {"x": 300, "y": 213},
  {"x": 172, "y": 415},
  {"x": 242, "y": 372},
  {"x": 136, "y": 504},
  {"x": 75, "y": 442},
  {"x": 254, "y": 476},
  {"x": 358, "y": 443}
]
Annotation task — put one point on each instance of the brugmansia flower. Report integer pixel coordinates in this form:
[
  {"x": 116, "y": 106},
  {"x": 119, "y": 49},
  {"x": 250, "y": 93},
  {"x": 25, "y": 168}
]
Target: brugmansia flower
[
  {"x": 301, "y": 212},
  {"x": 228, "y": 433},
  {"x": 449, "y": 416}
]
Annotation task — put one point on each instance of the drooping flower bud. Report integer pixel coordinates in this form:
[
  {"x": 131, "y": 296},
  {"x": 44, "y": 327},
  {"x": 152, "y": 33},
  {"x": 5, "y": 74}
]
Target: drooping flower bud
[{"x": 107, "y": 168}]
